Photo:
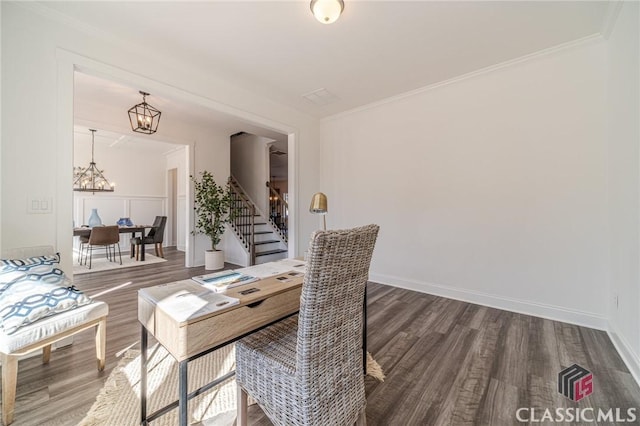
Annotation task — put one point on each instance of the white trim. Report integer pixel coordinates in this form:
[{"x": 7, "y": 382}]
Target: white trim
[
  {"x": 292, "y": 176},
  {"x": 69, "y": 61},
  {"x": 115, "y": 196},
  {"x": 64, "y": 163},
  {"x": 482, "y": 71},
  {"x": 552, "y": 312},
  {"x": 629, "y": 357}
]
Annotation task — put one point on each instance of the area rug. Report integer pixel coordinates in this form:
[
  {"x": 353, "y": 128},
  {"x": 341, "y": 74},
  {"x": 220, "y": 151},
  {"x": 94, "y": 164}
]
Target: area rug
[
  {"x": 99, "y": 264},
  {"x": 119, "y": 400}
]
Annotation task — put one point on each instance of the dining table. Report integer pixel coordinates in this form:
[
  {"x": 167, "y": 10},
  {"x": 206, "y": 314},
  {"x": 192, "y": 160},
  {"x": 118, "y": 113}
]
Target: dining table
[{"x": 85, "y": 231}]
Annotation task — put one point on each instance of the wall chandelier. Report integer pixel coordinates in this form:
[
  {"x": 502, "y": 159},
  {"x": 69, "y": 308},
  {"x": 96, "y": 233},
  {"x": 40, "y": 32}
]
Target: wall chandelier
[
  {"x": 143, "y": 117},
  {"x": 91, "y": 179}
]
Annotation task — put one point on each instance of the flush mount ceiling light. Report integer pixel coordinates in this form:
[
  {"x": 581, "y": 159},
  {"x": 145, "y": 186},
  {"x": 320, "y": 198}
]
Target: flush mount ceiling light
[
  {"x": 327, "y": 11},
  {"x": 143, "y": 117},
  {"x": 91, "y": 179}
]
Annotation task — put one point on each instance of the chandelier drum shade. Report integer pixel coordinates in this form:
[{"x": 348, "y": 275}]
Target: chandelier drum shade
[
  {"x": 91, "y": 179},
  {"x": 327, "y": 11},
  {"x": 143, "y": 117}
]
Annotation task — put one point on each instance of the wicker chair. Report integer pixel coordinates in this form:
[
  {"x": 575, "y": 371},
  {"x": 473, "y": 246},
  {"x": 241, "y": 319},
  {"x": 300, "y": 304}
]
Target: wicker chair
[{"x": 307, "y": 369}]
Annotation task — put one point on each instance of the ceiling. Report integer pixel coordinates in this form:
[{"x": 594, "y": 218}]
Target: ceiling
[
  {"x": 377, "y": 49},
  {"x": 127, "y": 143}
]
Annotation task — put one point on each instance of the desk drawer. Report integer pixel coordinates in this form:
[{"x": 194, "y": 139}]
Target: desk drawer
[{"x": 201, "y": 335}]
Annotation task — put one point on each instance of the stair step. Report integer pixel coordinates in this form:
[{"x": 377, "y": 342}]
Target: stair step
[
  {"x": 248, "y": 224},
  {"x": 265, "y": 253},
  {"x": 266, "y": 242},
  {"x": 258, "y": 232}
]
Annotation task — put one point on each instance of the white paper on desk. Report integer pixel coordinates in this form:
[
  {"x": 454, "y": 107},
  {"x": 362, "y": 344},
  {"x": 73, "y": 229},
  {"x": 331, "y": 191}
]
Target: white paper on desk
[
  {"x": 184, "y": 304},
  {"x": 265, "y": 270}
]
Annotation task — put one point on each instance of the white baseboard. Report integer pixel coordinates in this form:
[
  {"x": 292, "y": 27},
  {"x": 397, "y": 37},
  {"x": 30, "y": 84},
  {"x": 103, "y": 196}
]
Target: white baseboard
[
  {"x": 557, "y": 313},
  {"x": 630, "y": 358},
  {"x": 237, "y": 261}
]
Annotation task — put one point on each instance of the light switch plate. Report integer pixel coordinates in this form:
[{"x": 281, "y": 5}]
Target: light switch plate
[{"x": 40, "y": 205}]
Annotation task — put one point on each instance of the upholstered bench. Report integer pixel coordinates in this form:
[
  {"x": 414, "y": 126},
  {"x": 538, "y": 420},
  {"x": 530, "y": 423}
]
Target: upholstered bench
[{"x": 42, "y": 332}]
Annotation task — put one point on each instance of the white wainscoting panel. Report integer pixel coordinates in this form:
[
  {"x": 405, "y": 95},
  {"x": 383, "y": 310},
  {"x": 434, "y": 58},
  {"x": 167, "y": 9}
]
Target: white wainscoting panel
[{"x": 140, "y": 209}]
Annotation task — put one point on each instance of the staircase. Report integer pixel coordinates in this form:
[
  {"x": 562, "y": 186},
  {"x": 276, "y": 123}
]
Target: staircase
[{"x": 263, "y": 241}]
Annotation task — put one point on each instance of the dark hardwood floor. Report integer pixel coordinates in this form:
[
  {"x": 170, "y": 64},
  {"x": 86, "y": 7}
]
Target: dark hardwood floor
[{"x": 447, "y": 362}]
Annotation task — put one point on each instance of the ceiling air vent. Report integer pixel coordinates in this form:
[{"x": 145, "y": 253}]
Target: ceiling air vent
[{"x": 321, "y": 97}]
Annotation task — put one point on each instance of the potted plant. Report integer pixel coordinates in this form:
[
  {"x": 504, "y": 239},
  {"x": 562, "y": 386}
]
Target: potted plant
[{"x": 212, "y": 205}]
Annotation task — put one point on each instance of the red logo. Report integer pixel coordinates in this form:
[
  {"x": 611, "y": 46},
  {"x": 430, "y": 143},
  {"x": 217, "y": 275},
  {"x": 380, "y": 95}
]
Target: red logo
[{"x": 575, "y": 382}]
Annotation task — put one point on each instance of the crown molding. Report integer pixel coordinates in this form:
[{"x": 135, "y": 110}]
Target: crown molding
[
  {"x": 594, "y": 38},
  {"x": 610, "y": 18}
]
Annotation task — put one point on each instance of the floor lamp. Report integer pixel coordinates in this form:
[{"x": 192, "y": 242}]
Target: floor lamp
[{"x": 319, "y": 206}]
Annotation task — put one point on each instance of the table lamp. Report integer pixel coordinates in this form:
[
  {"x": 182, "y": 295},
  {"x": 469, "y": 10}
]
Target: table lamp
[{"x": 319, "y": 206}]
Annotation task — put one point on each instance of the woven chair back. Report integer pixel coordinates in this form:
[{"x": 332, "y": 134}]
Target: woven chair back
[{"x": 331, "y": 304}]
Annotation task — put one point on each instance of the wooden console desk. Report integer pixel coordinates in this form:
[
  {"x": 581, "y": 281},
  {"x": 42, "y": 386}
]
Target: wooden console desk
[{"x": 201, "y": 334}]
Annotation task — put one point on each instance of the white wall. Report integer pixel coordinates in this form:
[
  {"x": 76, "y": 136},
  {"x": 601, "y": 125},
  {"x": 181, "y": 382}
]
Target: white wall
[
  {"x": 623, "y": 135},
  {"x": 491, "y": 189},
  {"x": 250, "y": 167},
  {"x": 37, "y": 82},
  {"x": 134, "y": 171},
  {"x": 140, "y": 178}
]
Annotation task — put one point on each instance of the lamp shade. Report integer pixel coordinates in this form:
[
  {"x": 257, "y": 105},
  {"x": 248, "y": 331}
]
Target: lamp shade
[
  {"x": 318, "y": 203},
  {"x": 327, "y": 11}
]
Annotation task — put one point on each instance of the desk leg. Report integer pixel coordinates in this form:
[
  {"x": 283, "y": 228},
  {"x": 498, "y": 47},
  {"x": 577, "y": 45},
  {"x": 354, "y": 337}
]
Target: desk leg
[
  {"x": 143, "y": 376},
  {"x": 182, "y": 398},
  {"x": 364, "y": 332}
]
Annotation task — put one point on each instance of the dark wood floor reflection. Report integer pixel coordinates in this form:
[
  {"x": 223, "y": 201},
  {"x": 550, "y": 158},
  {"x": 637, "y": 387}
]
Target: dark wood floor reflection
[{"x": 447, "y": 362}]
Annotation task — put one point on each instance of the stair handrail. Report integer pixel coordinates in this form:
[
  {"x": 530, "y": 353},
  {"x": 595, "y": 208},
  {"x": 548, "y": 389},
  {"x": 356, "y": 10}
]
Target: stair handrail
[
  {"x": 240, "y": 202},
  {"x": 277, "y": 194},
  {"x": 282, "y": 209}
]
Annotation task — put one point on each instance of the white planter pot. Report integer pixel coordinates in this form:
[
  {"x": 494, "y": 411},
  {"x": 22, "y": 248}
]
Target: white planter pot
[{"x": 213, "y": 260}]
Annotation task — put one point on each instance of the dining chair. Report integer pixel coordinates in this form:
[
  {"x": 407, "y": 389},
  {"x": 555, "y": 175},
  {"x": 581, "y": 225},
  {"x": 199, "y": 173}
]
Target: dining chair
[
  {"x": 107, "y": 237},
  {"x": 155, "y": 237},
  {"x": 307, "y": 369},
  {"x": 84, "y": 239}
]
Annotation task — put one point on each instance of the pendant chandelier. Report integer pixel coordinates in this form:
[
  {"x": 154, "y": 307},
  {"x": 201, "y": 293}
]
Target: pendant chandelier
[
  {"x": 91, "y": 179},
  {"x": 143, "y": 117}
]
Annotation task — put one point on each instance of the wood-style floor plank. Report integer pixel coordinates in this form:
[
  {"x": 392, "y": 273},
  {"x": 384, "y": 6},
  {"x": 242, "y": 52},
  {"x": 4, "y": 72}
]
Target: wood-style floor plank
[{"x": 447, "y": 362}]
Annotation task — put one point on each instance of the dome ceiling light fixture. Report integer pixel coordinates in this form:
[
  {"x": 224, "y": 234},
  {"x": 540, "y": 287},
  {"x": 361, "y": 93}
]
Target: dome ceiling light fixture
[
  {"x": 327, "y": 11},
  {"x": 143, "y": 117}
]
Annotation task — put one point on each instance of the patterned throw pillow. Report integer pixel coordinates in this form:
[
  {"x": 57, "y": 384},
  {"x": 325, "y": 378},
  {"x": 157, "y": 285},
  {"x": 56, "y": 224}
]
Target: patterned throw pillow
[
  {"x": 30, "y": 264},
  {"x": 27, "y": 295},
  {"x": 14, "y": 270}
]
